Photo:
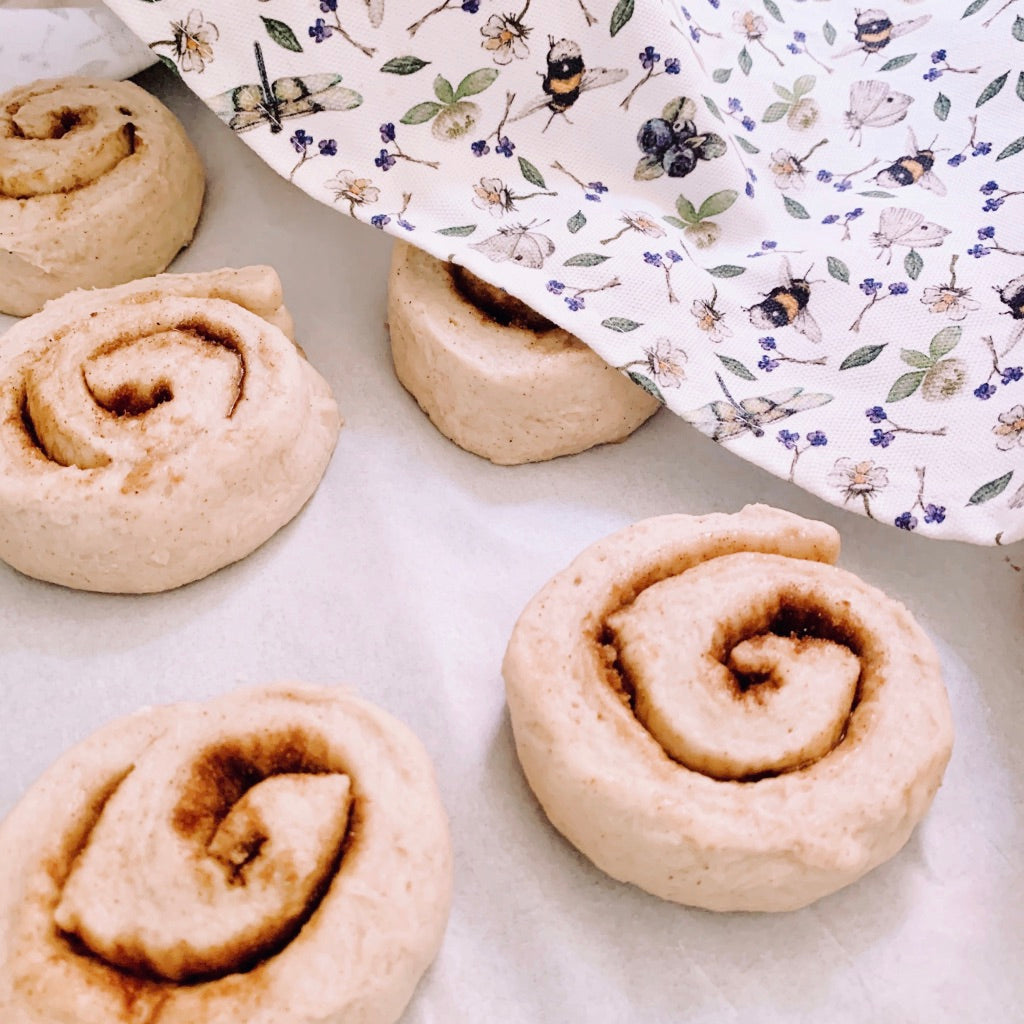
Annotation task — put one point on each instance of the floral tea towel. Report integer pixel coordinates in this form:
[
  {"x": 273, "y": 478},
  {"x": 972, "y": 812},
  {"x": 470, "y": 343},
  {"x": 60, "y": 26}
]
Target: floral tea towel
[{"x": 800, "y": 223}]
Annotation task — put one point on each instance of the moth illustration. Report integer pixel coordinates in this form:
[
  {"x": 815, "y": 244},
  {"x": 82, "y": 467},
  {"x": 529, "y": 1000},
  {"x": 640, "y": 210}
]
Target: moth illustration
[
  {"x": 874, "y": 105},
  {"x": 567, "y": 79},
  {"x": 874, "y": 30},
  {"x": 914, "y": 168},
  {"x": 517, "y": 244},
  {"x": 725, "y": 420},
  {"x": 899, "y": 226},
  {"x": 250, "y": 106},
  {"x": 786, "y": 306}
]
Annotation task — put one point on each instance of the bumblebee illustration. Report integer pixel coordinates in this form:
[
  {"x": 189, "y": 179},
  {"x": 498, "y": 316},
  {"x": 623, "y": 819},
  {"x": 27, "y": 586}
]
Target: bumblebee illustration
[
  {"x": 786, "y": 306},
  {"x": 1012, "y": 295},
  {"x": 915, "y": 168},
  {"x": 874, "y": 30},
  {"x": 566, "y": 79}
]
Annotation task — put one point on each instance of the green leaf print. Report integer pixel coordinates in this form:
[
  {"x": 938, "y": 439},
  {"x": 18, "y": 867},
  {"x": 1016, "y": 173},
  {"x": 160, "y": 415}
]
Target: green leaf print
[
  {"x": 645, "y": 382},
  {"x": 861, "y": 357},
  {"x": 717, "y": 203},
  {"x": 897, "y": 62},
  {"x": 1020, "y": 86},
  {"x": 776, "y": 112},
  {"x": 475, "y": 81},
  {"x": 281, "y": 34},
  {"x": 973, "y": 8},
  {"x": 945, "y": 341},
  {"x": 530, "y": 173},
  {"x": 773, "y": 9},
  {"x": 919, "y": 360},
  {"x": 905, "y": 386},
  {"x": 585, "y": 259},
  {"x": 713, "y": 107},
  {"x": 828, "y": 30},
  {"x": 686, "y": 210},
  {"x": 838, "y": 269},
  {"x": 457, "y": 232},
  {"x": 620, "y": 324},
  {"x": 721, "y": 75},
  {"x": 803, "y": 85},
  {"x": 443, "y": 90},
  {"x": 913, "y": 264},
  {"x": 622, "y": 13},
  {"x": 795, "y": 209},
  {"x": 994, "y": 88},
  {"x": 942, "y": 105},
  {"x": 1012, "y": 149},
  {"x": 736, "y": 367},
  {"x": 747, "y": 147},
  {"x": 726, "y": 270},
  {"x": 745, "y": 61},
  {"x": 421, "y": 113},
  {"x": 1018, "y": 29},
  {"x": 576, "y": 222},
  {"x": 404, "y": 65},
  {"x": 986, "y": 492}
]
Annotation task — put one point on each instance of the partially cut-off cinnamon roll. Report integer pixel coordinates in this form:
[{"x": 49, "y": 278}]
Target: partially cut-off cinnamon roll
[
  {"x": 707, "y": 708},
  {"x": 494, "y": 376},
  {"x": 99, "y": 185},
  {"x": 155, "y": 432},
  {"x": 276, "y": 856}
]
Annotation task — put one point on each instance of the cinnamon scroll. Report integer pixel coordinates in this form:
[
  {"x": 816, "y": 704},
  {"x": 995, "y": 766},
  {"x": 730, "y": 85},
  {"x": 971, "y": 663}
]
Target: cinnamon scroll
[
  {"x": 98, "y": 185},
  {"x": 276, "y": 856},
  {"x": 708, "y": 708},
  {"x": 153, "y": 433},
  {"x": 494, "y": 376}
]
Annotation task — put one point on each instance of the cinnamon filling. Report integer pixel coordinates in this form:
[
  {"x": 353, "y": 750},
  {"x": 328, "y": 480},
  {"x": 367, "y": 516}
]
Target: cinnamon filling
[{"x": 496, "y": 304}]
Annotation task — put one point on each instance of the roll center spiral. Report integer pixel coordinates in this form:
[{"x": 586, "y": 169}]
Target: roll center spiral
[
  {"x": 737, "y": 678},
  {"x": 216, "y": 871},
  {"x": 61, "y": 140}
]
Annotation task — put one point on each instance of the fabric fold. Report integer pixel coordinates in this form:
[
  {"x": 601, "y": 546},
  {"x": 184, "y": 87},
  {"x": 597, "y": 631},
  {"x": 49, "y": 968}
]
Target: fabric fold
[{"x": 793, "y": 221}]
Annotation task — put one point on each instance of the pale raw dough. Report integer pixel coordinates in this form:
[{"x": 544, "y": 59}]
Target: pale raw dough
[
  {"x": 509, "y": 393},
  {"x": 755, "y": 788},
  {"x": 155, "y": 432},
  {"x": 191, "y": 843},
  {"x": 98, "y": 185}
]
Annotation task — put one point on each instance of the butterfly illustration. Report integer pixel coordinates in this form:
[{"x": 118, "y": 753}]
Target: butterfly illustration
[
  {"x": 517, "y": 244},
  {"x": 249, "y": 106},
  {"x": 874, "y": 105},
  {"x": 567, "y": 79},
  {"x": 899, "y": 226},
  {"x": 724, "y": 420},
  {"x": 874, "y": 30}
]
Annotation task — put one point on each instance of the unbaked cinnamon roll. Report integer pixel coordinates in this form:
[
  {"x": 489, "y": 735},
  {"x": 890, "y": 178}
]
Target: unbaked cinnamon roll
[
  {"x": 155, "y": 432},
  {"x": 494, "y": 376},
  {"x": 706, "y": 707},
  {"x": 276, "y": 856},
  {"x": 99, "y": 185}
]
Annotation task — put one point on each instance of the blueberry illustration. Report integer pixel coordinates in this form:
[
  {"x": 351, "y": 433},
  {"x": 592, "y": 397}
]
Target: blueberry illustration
[
  {"x": 655, "y": 136},
  {"x": 684, "y": 130},
  {"x": 678, "y": 161}
]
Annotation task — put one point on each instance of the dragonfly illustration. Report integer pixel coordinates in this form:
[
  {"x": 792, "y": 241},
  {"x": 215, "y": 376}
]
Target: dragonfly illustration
[
  {"x": 722, "y": 421},
  {"x": 249, "y": 106}
]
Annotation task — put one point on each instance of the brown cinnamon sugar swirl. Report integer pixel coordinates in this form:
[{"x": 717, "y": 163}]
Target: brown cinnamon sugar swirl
[
  {"x": 708, "y": 708},
  {"x": 276, "y": 856},
  {"x": 493, "y": 375},
  {"x": 98, "y": 185},
  {"x": 155, "y": 432}
]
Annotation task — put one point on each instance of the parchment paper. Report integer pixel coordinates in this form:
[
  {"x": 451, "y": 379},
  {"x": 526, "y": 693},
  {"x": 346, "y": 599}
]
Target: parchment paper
[{"x": 403, "y": 578}]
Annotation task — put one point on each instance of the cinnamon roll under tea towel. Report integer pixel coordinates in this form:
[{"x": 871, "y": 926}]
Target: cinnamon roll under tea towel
[
  {"x": 155, "y": 432},
  {"x": 279, "y": 855},
  {"x": 706, "y": 707},
  {"x": 99, "y": 185},
  {"x": 494, "y": 376}
]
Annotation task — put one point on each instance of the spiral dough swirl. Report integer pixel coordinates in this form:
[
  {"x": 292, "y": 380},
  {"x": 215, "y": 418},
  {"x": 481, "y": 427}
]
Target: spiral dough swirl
[
  {"x": 707, "y": 708},
  {"x": 98, "y": 185},
  {"x": 277, "y": 856},
  {"x": 152, "y": 433}
]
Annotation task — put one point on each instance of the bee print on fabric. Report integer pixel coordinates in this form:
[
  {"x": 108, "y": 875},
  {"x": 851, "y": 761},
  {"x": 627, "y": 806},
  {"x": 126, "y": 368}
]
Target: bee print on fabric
[
  {"x": 786, "y": 306},
  {"x": 567, "y": 78},
  {"x": 874, "y": 30}
]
